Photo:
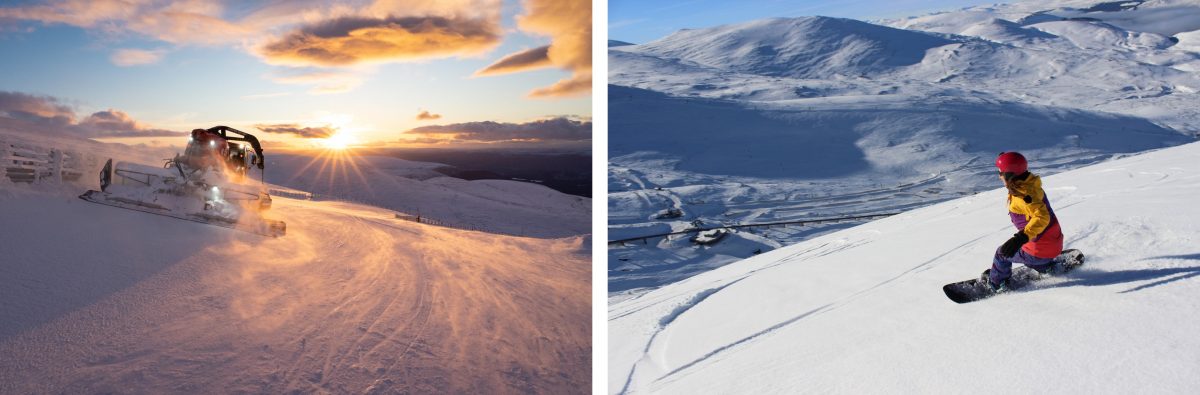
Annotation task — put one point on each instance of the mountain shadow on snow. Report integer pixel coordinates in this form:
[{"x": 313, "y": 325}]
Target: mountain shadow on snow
[{"x": 719, "y": 137}]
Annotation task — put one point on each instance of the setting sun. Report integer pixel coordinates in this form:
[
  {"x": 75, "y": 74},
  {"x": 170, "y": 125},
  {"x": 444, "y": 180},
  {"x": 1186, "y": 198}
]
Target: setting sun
[{"x": 339, "y": 140}]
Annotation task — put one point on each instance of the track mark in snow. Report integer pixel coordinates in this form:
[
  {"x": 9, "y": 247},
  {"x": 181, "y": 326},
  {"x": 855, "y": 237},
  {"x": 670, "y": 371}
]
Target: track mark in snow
[
  {"x": 696, "y": 299},
  {"x": 826, "y": 308},
  {"x": 797, "y": 257},
  {"x": 670, "y": 317},
  {"x": 718, "y": 351}
]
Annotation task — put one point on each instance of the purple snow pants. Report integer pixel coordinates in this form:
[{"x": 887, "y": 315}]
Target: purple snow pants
[{"x": 1002, "y": 265}]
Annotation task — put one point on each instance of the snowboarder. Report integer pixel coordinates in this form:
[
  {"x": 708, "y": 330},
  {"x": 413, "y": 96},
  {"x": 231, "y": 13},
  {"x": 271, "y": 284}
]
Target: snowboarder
[{"x": 1039, "y": 238}]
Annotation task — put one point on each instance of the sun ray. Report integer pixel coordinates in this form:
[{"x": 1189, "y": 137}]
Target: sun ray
[
  {"x": 304, "y": 169},
  {"x": 335, "y": 161},
  {"x": 358, "y": 171}
]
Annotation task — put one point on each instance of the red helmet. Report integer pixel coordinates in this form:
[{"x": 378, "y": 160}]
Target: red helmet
[{"x": 1012, "y": 162}]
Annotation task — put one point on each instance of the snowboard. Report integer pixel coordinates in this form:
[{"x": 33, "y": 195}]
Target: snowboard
[{"x": 973, "y": 290}]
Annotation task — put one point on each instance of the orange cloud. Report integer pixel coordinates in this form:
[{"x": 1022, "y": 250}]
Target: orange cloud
[
  {"x": 135, "y": 57},
  {"x": 569, "y": 25},
  {"x": 552, "y": 129},
  {"x": 579, "y": 84},
  {"x": 352, "y": 40},
  {"x": 425, "y": 140},
  {"x": 76, "y": 13},
  {"x": 319, "y": 132},
  {"x": 425, "y": 115},
  {"x": 189, "y": 28},
  {"x": 184, "y": 22}
]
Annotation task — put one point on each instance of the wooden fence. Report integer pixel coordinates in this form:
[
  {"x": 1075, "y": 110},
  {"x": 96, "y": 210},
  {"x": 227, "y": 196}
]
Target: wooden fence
[{"x": 27, "y": 162}]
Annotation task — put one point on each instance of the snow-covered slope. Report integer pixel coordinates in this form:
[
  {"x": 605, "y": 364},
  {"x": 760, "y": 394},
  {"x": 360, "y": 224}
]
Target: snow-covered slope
[
  {"x": 861, "y": 310},
  {"x": 782, "y": 120},
  {"x": 97, "y": 299},
  {"x": 1164, "y": 17},
  {"x": 414, "y": 188}
]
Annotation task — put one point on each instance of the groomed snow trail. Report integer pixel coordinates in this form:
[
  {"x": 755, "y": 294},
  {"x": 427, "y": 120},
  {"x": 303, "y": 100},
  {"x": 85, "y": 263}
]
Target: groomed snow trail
[
  {"x": 862, "y": 311},
  {"x": 95, "y": 299}
]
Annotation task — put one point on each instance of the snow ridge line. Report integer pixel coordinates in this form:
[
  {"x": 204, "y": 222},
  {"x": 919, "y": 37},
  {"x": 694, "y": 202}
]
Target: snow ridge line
[{"x": 828, "y": 307}]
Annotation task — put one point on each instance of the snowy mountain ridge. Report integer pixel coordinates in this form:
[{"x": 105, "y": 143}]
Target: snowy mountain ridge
[{"x": 805, "y": 47}]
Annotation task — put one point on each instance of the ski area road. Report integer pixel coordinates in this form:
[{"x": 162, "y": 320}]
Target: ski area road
[{"x": 96, "y": 299}]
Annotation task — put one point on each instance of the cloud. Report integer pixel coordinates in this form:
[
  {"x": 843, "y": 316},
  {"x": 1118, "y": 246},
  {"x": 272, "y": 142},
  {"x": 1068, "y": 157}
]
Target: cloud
[
  {"x": 298, "y": 33},
  {"x": 135, "y": 57},
  {"x": 425, "y": 115},
  {"x": 319, "y": 132},
  {"x": 552, "y": 129},
  {"x": 529, "y": 59},
  {"x": 265, "y": 95},
  {"x": 190, "y": 28},
  {"x": 77, "y": 13},
  {"x": 351, "y": 40},
  {"x": 426, "y": 140},
  {"x": 322, "y": 81},
  {"x": 48, "y": 115},
  {"x": 183, "y": 22},
  {"x": 569, "y": 25},
  {"x": 577, "y": 85},
  {"x": 23, "y": 105},
  {"x": 114, "y": 123}
]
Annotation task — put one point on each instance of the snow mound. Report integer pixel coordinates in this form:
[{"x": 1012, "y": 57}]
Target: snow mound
[
  {"x": 1004, "y": 31},
  {"x": 1162, "y": 17},
  {"x": 810, "y": 47},
  {"x": 861, "y": 310},
  {"x": 1188, "y": 41},
  {"x": 958, "y": 22},
  {"x": 1097, "y": 35}
]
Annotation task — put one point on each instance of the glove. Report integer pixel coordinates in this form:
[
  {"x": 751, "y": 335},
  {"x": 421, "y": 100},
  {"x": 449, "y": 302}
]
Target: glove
[{"x": 1013, "y": 244}]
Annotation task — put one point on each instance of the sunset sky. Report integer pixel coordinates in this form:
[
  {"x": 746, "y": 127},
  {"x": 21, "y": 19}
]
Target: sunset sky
[{"x": 299, "y": 73}]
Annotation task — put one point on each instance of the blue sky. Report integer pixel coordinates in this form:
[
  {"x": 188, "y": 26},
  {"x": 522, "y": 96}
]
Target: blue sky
[
  {"x": 641, "y": 21},
  {"x": 71, "y": 52}
]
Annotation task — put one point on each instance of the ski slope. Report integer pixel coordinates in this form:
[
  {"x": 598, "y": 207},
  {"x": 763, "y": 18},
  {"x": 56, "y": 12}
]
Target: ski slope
[
  {"x": 793, "y": 119},
  {"x": 414, "y": 188},
  {"x": 96, "y": 299},
  {"x": 861, "y": 310}
]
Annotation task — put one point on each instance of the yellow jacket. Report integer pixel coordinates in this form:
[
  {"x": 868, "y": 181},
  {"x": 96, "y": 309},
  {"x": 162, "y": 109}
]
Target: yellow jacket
[{"x": 1030, "y": 212}]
